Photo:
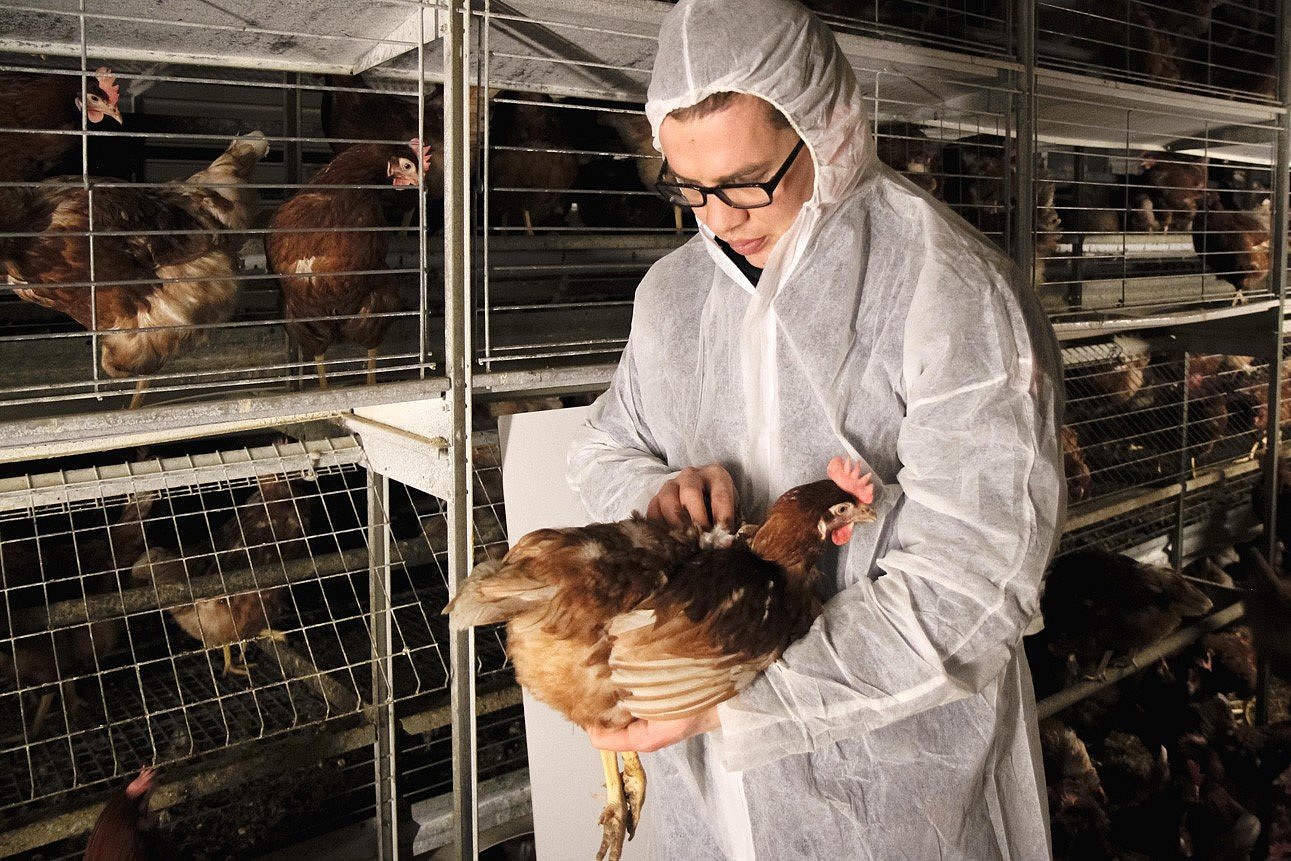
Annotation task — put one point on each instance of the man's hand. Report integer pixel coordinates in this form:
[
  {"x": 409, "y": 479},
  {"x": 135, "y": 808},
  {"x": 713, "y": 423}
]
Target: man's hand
[
  {"x": 702, "y": 496},
  {"x": 647, "y": 736}
]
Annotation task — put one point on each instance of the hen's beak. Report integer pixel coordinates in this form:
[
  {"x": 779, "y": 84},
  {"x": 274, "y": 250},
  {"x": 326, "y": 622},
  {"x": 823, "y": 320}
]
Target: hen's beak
[
  {"x": 839, "y": 529},
  {"x": 402, "y": 172},
  {"x": 114, "y": 112}
]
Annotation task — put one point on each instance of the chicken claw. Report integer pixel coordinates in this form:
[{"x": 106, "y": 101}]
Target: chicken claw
[
  {"x": 634, "y": 786},
  {"x": 614, "y": 817}
]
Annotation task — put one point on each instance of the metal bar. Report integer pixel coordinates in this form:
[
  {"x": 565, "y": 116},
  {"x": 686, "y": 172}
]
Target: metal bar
[
  {"x": 1210, "y": 475},
  {"x": 1089, "y": 328},
  {"x": 36, "y": 439},
  {"x": 1176, "y": 642},
  {"x": 384, "y": 746},
  {"x": 1023, "y": 239},
  {"x": 1181, "y": 501},
  {"x": 1278, "y": 284},
  {"x": 457, "y": 345}
]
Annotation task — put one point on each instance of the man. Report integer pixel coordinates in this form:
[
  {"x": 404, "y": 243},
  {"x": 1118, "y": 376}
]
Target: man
[{"x": 849, "y": 315}]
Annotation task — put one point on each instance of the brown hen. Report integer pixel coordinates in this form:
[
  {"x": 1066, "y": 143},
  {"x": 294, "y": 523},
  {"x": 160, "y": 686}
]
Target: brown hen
[
  {"x": 123, "y": 830},
  {"x": 636, "y": 619},
  {"x": 164, "y": 259},
  {"x": 264, "y": 532},
  {"x": 328, "y": 247},
  {"x": 50, "y": 106},
  {"x": 1232, "y": 245}
]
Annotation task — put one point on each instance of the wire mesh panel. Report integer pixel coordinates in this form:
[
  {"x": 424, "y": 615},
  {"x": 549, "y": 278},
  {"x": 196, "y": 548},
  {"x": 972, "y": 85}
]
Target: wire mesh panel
[
  {"x": 199, "y": 203},
  {"x": 1140, "y": 417},
  {"x": 976, "y": 26},
  {"x": 1221, "y": 48},
  {"x": 1154, "y": 209},
  {"x": 571, "y": 220},
  {"x": 226, "y": 601}
]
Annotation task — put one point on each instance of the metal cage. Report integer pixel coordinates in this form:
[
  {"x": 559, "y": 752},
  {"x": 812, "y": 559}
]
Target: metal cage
[{"x": 1132, "y": 158}]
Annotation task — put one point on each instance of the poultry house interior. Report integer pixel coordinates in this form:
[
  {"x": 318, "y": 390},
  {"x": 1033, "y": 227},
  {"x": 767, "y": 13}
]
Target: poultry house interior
[{"x": 235, "y": 259}]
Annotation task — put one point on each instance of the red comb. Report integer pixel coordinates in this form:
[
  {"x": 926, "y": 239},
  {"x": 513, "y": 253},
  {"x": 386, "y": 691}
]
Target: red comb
[
  {"x": 423, "y": 151},
  {"x": 847, "y": 475},
  {"x": 142, "y": 783},
  {"x": 108, "y": 84}
]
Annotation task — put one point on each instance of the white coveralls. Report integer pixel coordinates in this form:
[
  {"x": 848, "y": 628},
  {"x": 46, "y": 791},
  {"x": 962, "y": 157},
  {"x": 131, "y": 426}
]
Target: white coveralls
[{"x": 902, "y": 725}]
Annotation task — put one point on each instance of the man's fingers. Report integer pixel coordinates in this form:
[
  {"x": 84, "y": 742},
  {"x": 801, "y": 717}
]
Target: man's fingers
[
  {"x": 670, "y": 506},
  {"x": 691, "y": 494},
  {"x": 653, "y": 511},
  {"x": 721, "y": 493}
]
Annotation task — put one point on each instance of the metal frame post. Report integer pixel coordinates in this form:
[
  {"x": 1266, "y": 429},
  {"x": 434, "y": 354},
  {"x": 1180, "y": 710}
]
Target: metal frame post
[
  {"x": 457, "y": 337},
  {"x": 1023, "y": 238},
  {"x": 385, "y": 747},
  {"x": 1278, "y": 286}
]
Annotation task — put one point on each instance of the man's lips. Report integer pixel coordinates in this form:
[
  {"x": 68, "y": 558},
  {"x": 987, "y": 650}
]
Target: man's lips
[{"x": 748, "y": 246}]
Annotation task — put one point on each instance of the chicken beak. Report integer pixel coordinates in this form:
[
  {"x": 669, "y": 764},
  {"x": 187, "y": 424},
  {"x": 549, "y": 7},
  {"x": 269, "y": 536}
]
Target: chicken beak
[
  {"x": 401, "y": 176},
  {"x": 839, "y": 529},
  {"x": 115, "y": 112}
]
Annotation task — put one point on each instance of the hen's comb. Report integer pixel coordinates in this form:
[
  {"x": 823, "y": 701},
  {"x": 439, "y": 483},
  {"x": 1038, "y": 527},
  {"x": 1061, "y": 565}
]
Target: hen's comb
[
  {"x": 142, "y": 783},
  {"x": 108, "y": 84},
  {"x": 423, "y": 151},
  {"x": 847, "y": 475}
]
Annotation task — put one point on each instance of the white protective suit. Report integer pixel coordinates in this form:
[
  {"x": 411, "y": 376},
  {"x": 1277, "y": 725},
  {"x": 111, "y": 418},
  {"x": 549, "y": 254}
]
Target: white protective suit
[{"x": 902, "y": 725}]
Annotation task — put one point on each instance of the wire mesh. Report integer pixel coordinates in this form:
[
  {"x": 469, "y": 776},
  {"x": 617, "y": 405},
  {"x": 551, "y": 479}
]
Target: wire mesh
[
  {"x": 1151, "y": 210},
  {"x": 1138, "y": 417},
  {"x": 117, "y": 611},
  {"x": 1224, "y": 49},
  {"x": 214, "y": 219}
]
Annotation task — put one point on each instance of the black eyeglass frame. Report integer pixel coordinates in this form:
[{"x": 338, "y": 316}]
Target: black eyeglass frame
[{"x": 665, "y": 189}]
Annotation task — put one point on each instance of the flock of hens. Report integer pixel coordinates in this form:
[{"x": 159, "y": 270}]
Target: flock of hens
[{"x": 1164, "y": 765}]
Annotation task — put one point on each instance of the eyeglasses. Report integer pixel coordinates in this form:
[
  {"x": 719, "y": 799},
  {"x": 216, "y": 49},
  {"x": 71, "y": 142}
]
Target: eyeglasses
[{"x": 739, "y": 195}]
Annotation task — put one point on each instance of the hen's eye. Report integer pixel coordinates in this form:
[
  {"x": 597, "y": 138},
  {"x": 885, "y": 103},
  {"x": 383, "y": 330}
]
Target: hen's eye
[{"x": 841, "y": 509}]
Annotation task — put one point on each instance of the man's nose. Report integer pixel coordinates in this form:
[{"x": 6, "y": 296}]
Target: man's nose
[{"x": 721, "y": 218}]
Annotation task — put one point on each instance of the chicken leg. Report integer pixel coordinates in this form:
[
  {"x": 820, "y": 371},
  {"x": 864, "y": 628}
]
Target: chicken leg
[
  {"x": 614, "y": 817},
  {"x": 372, "y": 367},
  {"x": 139, "y": 389},
  {"x": 243, "y": 669},
  {"x": 322, "y": 371}
]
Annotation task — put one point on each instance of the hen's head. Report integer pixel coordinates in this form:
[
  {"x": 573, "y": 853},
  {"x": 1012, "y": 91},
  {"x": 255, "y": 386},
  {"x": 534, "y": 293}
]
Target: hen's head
[
  {"x": 101, "y": 96},
  {"x": 802, "y": 518},
  {"x": 406, "y": 172}
]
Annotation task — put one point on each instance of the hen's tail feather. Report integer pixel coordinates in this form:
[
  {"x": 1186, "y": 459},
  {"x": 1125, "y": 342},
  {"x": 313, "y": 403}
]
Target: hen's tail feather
[{"x": 495, "y": 592}]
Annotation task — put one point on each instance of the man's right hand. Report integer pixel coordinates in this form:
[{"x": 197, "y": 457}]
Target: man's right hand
[{"x": 703, "y": 496}]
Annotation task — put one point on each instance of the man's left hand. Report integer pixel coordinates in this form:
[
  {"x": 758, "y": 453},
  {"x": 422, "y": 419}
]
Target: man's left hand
[{"x": 647, "y": 736}]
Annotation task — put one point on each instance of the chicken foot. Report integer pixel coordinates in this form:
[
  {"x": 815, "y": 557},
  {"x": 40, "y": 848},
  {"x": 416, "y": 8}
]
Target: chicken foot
[
  {"x": 139, "y": 389},
  {"x": 614, "y": 817},
  {"x": 244, "y": 669},
  {"x": 372, "y": 367}
]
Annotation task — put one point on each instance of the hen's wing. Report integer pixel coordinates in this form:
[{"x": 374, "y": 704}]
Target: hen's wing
[
  {"x": 698, "y": 641},
  {"x": 581, "y": 577}
]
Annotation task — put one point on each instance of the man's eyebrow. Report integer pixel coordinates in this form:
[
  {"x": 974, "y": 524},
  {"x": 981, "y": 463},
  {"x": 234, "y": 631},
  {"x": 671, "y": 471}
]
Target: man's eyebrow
[{"x": 741, "y": 175}]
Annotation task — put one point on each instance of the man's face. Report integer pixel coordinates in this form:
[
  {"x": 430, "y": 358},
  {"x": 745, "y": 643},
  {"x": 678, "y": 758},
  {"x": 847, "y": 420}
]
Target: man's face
[{"x": 739, "y": 143}]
